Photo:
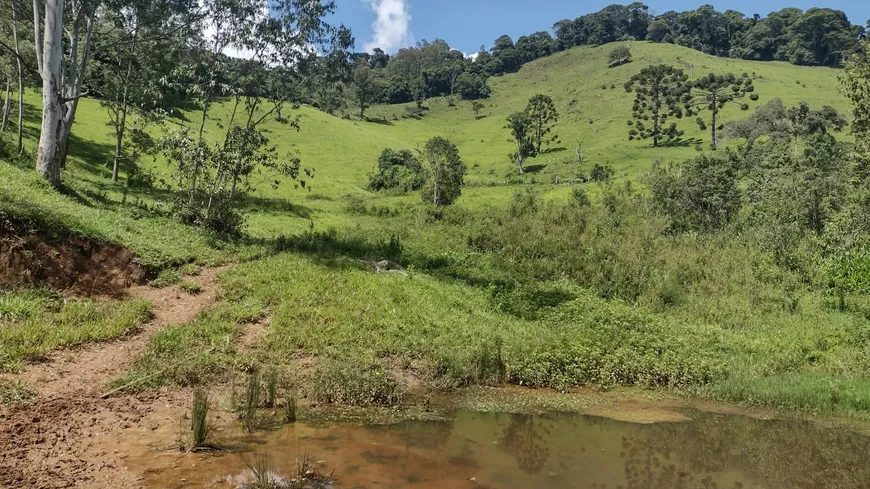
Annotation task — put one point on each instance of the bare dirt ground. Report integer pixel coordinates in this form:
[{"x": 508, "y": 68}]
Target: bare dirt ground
[{"x": 60, "y": 440}]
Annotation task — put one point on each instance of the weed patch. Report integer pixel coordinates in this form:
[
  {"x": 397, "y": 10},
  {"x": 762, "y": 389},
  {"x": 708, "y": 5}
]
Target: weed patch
[
  {"x": 15, "y": 395},
  {"x": 352, "y": 382}
]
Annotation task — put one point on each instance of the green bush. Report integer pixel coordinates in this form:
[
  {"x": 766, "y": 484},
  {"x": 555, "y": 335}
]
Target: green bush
[
  {"x": 699, "y": 195},
  {"x": 353, "y": 382},
  {"x": 397, "y": 170}
]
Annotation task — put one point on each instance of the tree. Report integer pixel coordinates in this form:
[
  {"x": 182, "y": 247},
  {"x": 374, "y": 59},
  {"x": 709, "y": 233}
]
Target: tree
[
  {"x": 477, "y": 107},
  {"x": 379, "y": 58},
  {"x": 855, "y": 85},
  {"x": 127, "y": 80},
  {"x": 520, "y": 125},
  {"x": 213, "y": 172},
  {"x": 471, "y": 86},
  {"x": 660, "y": 93},
  {"x": 770, "y": 119},
  {"x": 805, "y": 122},
  {"x": 16, "y": 39},
  {"x": 620, "y": 55},
  {"x": 63, "y": 72},
  {"x": 659, "y": 31},
  {"x": 795, "y": 196},
  {"x": 445, "y": 172},
  {"x": 398, "y": 170},
  {"x": 775, "y": 121},
  {"x": 542, "y": 114},
  {"x": 712, "y": 93},
  {"x": 366, "y": 88}
]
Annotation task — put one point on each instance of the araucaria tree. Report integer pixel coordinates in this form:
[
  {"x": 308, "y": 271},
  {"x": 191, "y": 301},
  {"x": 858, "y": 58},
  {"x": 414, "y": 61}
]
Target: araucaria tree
[
  {"x": 542, "y": 114},
  {"x": 712, "y": 93},
  {"x": 445, "y": 172},
  {"x": 659, "y": 93},
  {"x": 520, "y": 125}
]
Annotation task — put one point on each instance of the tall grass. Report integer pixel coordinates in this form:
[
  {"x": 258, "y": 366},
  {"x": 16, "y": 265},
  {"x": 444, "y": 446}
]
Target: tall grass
[
  {"x": 262, "y": 471},
  {"x": 249, "y": 416},
  {"x": 271, "y": 387},
  {"x": 199, "y": 424},
  {"x": 289, "y": 406}
]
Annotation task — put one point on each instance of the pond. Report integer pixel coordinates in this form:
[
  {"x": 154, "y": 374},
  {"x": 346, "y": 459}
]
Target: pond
[{"x": 555, "y": 450}]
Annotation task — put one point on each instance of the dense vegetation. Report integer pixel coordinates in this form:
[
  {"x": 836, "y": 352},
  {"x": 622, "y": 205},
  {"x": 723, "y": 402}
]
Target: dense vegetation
[{"x": 534, "y": 238}]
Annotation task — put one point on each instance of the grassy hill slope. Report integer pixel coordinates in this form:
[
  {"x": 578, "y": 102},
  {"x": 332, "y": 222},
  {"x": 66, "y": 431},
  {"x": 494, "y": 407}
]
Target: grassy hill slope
[
  {"x": 554, "y": 286},
  {"x": 594, "y": 107},
  {"x": 589, "y": 96}
]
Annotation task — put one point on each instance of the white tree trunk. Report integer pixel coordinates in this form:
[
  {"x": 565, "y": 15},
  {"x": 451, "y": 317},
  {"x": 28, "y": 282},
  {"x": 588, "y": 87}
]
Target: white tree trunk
[
  {"x": 20, "y": 78},
  {"x": 47, "y": 157},
  {"x": 7, "y": 103}
]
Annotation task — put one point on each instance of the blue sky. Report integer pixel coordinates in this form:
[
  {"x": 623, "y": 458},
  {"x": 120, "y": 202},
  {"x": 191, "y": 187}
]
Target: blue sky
[{"x": 467, "y": 24}]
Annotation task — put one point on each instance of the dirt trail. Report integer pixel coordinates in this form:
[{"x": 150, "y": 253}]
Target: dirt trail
[{"x": 56, "y": 442}]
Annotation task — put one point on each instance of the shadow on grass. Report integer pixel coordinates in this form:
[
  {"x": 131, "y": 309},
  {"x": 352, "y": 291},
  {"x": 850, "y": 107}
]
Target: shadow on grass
[
  {"x": 341, "y": 251},
  {"x": 94, "y": 157},
  {"x": 681, "y": 143},
  {"x": 533, "y": 169},
  {"x": 619, "y": 63},
  {"x": 257, "y": 203},
  {"x": 30, "y": 114},
  {"x": 378, "y": 120},
  {"x": 557, "y": 149}
]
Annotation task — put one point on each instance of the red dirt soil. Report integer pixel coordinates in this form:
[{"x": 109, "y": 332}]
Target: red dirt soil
[
  {"x": 61, "y": 439},
  {"x": 75, "y": 265}
]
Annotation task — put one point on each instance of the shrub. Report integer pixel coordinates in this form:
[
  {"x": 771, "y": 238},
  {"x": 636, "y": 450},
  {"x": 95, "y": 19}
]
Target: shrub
[
  {"x": 199, "y": 425},
  {"x": 699, "y": 195},
  {"x": 354, "y": 382},
  {"x": 289, "y": 406},
  {"x": 580, "y": 197},
  {"x": 398, "y": 170},
  {"x": 271, "y": 387},
  {"x": 251, "y": 402},
  {"x": 601, "y": 173}
]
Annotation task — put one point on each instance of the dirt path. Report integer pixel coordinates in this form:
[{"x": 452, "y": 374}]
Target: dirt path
[{"x": 57, "y": 442}]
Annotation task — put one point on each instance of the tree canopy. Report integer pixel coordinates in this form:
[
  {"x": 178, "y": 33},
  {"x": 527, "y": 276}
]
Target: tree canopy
[{"x": 660, "y": 91}]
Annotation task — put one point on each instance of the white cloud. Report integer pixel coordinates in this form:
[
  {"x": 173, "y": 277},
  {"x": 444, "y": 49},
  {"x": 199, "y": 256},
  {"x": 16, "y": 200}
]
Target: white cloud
[
  {"x": 392, "y": 28},
  {"x": 473, "y": 56}
]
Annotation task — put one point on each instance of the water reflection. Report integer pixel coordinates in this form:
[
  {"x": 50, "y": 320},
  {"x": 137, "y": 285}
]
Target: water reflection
[
  {"x": 525, "y": 439},
  {"x": 557, "y": 451}
]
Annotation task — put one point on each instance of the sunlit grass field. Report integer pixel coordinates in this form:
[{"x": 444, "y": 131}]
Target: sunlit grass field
[
  {"x": 589, "y": 97},
  {"x": 713, "y": 318}
]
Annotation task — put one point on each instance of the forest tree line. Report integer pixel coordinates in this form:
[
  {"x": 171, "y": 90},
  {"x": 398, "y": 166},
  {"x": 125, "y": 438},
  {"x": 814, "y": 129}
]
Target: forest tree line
[{"x": 815, "y": 37}]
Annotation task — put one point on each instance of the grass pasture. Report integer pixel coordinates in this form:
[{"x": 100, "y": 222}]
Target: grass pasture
[{"x": 547, "y": 293}]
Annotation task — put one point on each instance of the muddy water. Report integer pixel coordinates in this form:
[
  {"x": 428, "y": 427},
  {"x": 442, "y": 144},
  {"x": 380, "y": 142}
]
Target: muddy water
[{"x": 477, "y": 450}]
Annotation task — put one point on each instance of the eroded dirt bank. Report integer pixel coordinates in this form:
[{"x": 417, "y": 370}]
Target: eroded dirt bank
[
  {"x": 73, "y": 264},
  {"x": 59, "y": 441}
]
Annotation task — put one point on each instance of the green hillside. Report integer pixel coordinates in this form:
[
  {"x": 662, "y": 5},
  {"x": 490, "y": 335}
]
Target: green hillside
[
  {"x": 343, "y": 151},
  {"x": 713, "y": 313},
  {"x": 597, "y": 116}
]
